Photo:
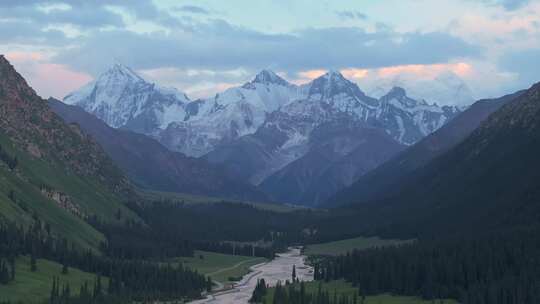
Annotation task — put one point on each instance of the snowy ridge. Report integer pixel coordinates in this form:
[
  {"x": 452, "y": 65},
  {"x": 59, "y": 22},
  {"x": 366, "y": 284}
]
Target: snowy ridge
[
  {"x": 445, "y": 89},
  {"x": 123, "y": 99},
  {"x": 236, "y": 112}
]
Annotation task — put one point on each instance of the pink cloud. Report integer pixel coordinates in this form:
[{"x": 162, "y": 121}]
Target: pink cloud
[
  {"x": 355, "y": 73},
  {"x": 48, "y": 79},
  {"x": 429, "y": 71},
  {"x": 461, "y": 69},
  {"x": 306, "y": 76}
]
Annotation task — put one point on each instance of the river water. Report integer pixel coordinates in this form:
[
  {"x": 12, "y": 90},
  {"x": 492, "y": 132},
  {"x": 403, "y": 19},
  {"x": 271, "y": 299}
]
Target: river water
[{"x": 279, "y": 269}]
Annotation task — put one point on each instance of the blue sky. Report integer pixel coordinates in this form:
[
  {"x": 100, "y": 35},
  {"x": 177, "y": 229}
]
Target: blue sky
[{"x": 205, "y": 46}]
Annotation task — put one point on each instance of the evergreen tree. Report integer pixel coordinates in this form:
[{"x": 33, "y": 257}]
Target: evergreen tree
[
  {"x": 33, "y": 263},
  {"x": 209, "y": 284},
  {"x": 65, "y": 269}
]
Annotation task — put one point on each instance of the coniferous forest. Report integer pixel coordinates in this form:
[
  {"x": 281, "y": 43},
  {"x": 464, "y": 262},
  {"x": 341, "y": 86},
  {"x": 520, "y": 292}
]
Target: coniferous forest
[{"x": 500, "y": 269}]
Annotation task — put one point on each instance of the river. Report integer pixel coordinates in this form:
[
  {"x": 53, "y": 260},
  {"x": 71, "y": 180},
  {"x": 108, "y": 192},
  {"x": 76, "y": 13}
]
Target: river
[{"x": 279, "y": 269}]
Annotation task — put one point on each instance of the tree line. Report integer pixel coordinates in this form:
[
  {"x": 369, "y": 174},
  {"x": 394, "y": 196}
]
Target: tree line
[
  {"x": 295, "y": 293},
  {"x": 501, "y": 268},
  {"x": 132, "y": 279}
]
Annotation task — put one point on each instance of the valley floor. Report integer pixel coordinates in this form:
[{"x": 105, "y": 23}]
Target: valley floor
[{"x": 222, "y": 268}]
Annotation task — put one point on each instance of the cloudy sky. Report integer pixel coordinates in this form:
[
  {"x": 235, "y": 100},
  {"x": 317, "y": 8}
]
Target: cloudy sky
[{"x": 205, "y": 46}]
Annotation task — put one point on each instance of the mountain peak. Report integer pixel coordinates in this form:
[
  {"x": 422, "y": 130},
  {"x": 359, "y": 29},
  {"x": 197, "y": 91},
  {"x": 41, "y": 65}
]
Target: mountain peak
[
  {"x": 332, "y": 84},
  {"x": 11, "y": 80},
  {"x": 399, "y": 95},
  {"x": 119, "y": 71},
  {"x": 333, "y": 77},
  {"x": 268, "y": 76},
  {"x": 397, "y": 92},
  {"x": 333, "y": 73}
]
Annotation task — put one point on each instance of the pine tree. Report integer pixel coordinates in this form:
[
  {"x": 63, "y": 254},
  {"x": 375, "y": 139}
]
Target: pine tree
[
  {"x": 12, "y": 264},
  {"x": 208, "y": 284},
  {"x": 118, "y": 214},
  {"x": 11, "y": 195},
  {"x": 294, "y": 273},
  {"x": 53, "y": 299},
  {"x": 33, "y": 263},
  {"x": 66, "y": 293},
  {"x": 4, "y": 272},
  {"x": 65, "y": 269}
]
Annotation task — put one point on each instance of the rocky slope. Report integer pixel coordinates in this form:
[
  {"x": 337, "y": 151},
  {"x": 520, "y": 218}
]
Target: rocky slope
[
  {"x": 52, "y": 170},
  {"x": 338, "y": 154}
]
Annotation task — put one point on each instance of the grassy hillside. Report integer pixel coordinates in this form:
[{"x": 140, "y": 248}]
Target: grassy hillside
[
  {"x": 343, "y": 246},
  {"x": 51, "y": 170},
  {"x": 220, "y": 267},
  {"x": 86, "y": 197},
  {"x": 341, "y": 287},
  {"x": 33, "y": 287}
]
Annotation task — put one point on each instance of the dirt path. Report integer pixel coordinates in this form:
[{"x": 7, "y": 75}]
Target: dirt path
[{"x": 231, "y": 268}]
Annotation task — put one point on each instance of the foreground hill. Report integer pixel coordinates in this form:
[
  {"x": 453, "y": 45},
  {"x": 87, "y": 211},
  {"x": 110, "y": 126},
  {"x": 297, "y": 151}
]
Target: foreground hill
[
  {"x": 51, "y": 170},
  {"x": 151, "y": 165}
]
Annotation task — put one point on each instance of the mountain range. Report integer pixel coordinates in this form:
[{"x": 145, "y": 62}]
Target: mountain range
[{"x": 268, "y": 131}]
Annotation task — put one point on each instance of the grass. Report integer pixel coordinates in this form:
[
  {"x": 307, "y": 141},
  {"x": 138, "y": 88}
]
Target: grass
[
  {"x": 198, "y": 199},
  {"x": 34, "y": 287},
  {"x": 31, "y": 173},
  {"x": 342, "y": 287},
  {"x": 30, "y": 200},
  {"x": 343, "y": 246},
  {"x": 220, "y": 267}
]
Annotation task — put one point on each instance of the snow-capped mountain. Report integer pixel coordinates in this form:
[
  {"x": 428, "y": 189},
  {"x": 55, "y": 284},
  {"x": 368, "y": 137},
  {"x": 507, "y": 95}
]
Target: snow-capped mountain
[
  {"x": 229, "y": 115},
  {"x": 407, "y": 120},
  {"x": 445, "y": 89},
  {"x": 286, "y": 134},
  {"x": 267, "y": 124},
  {"x": 122, "y": 98}
]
